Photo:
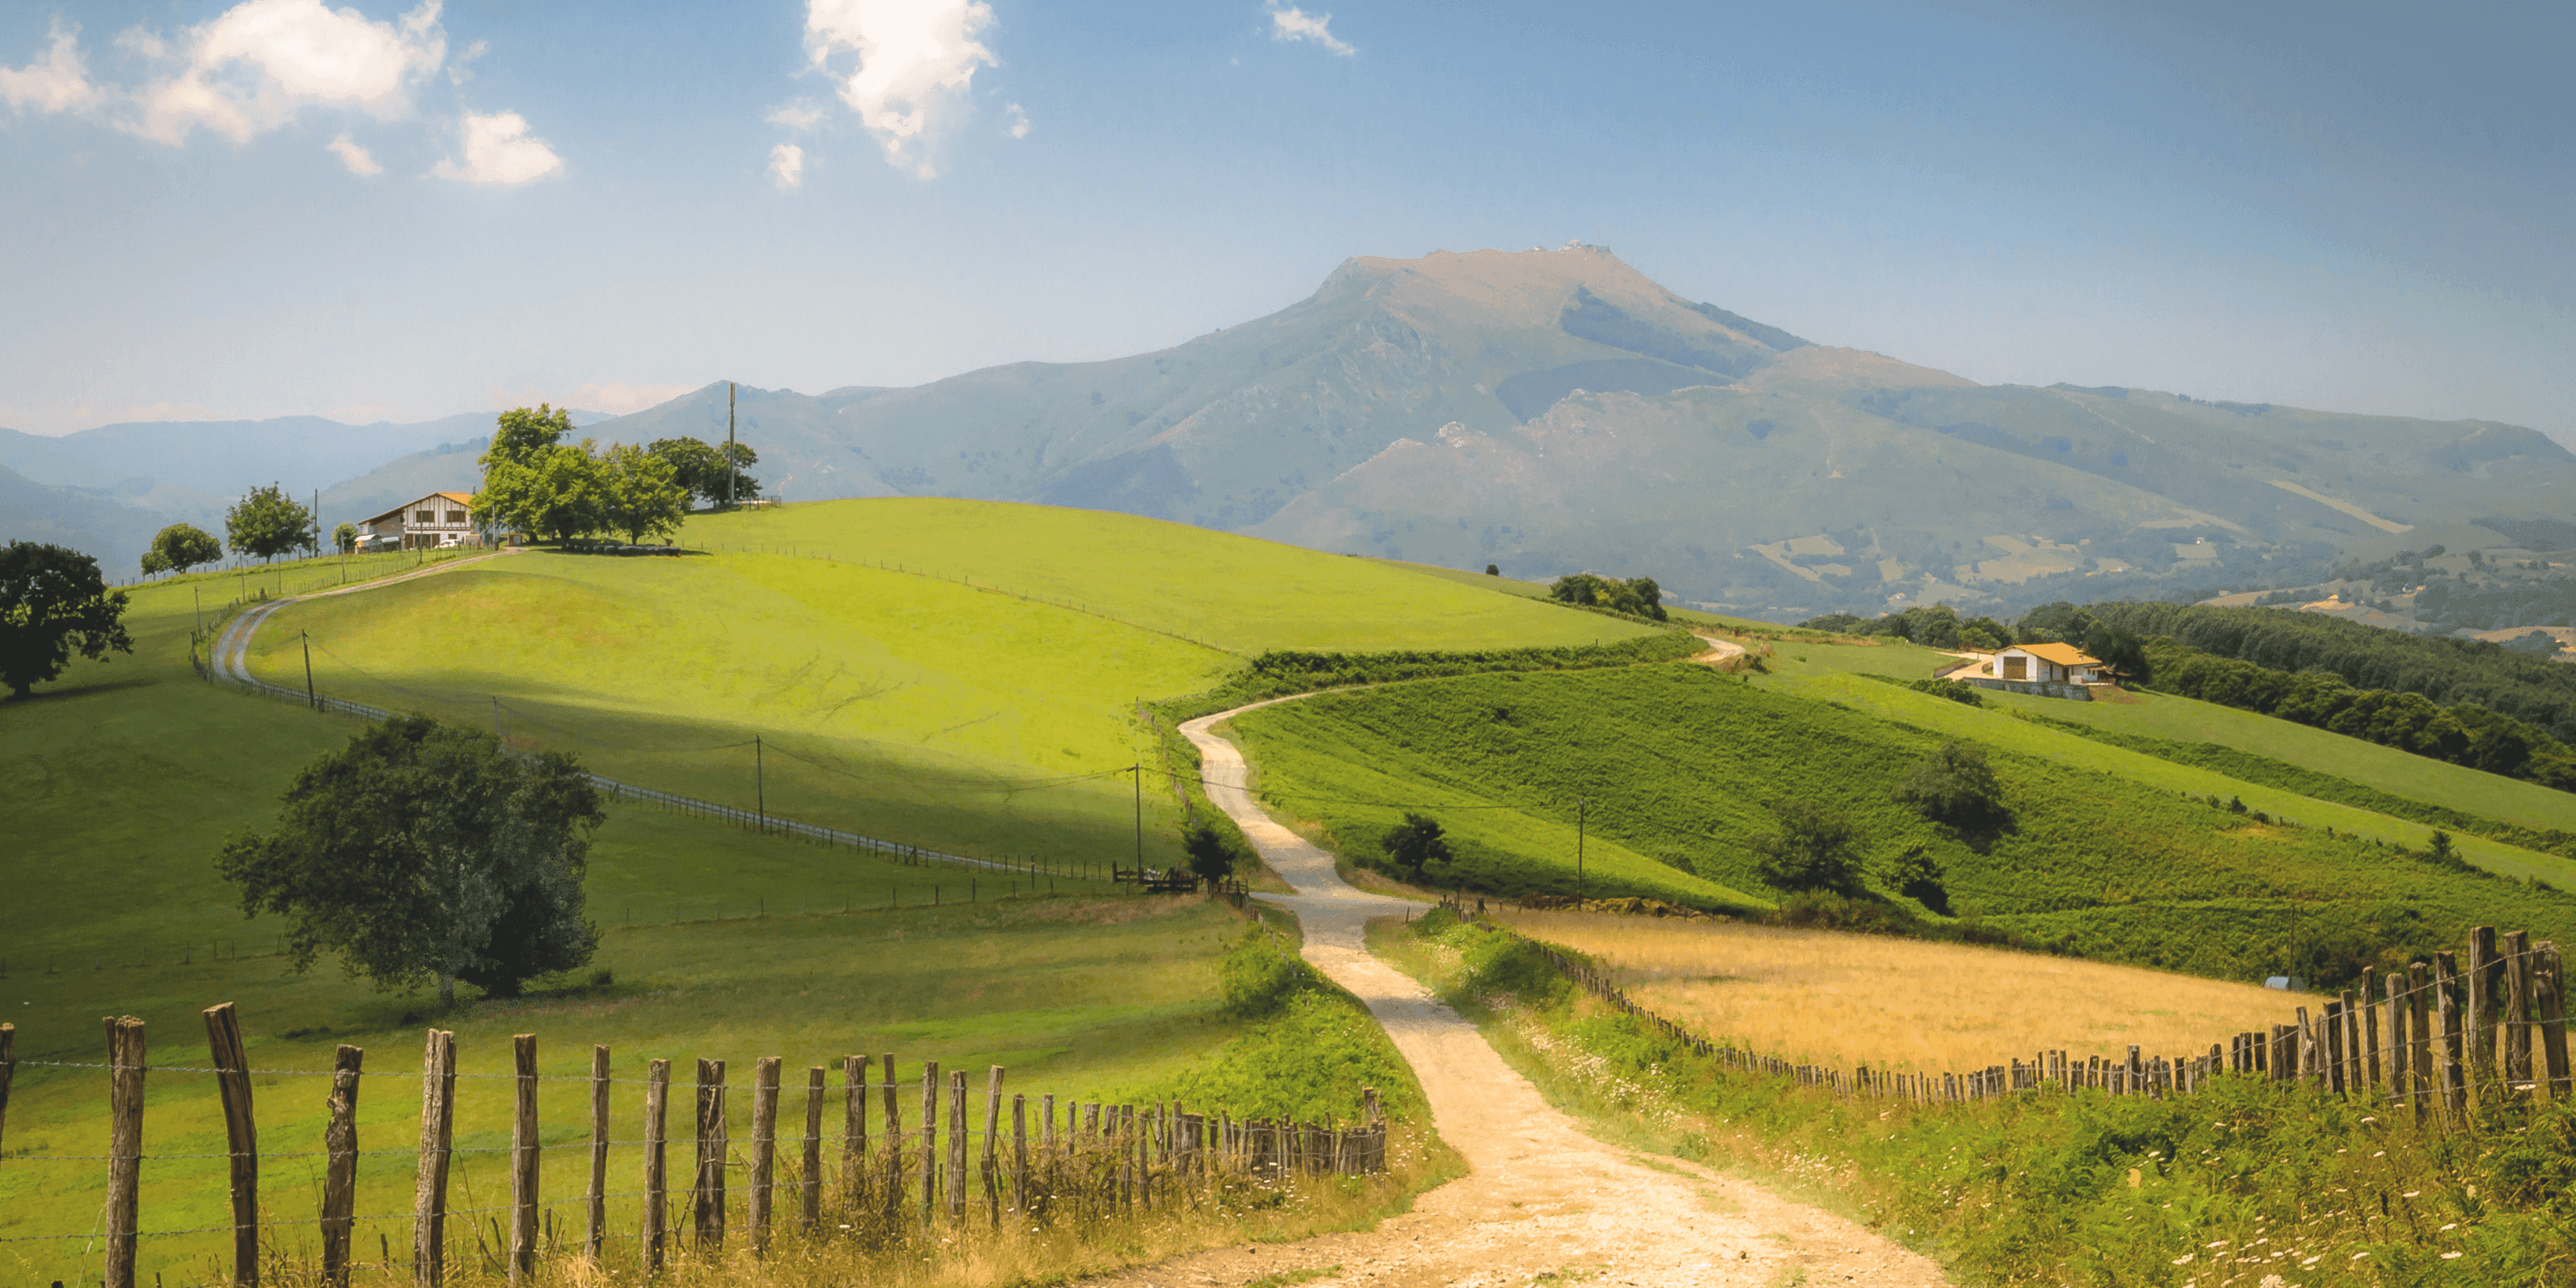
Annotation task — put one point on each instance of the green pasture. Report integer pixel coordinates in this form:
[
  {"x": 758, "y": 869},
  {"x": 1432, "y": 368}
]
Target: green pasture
[
  {"x": 1998, "y": 727},
  {"x": 1683, "y": 765},
  {"x": 1107, "y": 998},
  {"x": 1239, "y": 594},
  {"x": 1538, "y": 591}
]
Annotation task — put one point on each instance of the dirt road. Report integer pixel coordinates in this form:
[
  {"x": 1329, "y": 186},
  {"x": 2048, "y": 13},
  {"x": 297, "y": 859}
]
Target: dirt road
[
  {"x": 232, "y": 645},
  {"x": 1543, "y": 1198}
]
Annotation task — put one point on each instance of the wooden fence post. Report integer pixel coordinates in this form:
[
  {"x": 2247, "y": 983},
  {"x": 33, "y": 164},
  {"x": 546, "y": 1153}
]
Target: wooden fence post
[
  {"x": 894, "y": 1142},
  {"x": 657, "y": 1193},
  {"x": 1019, "y": 1153},
  {"x": 929, "y": 1139},
  {"x": 2400, "y": 1088},
  {"x": 241, "y": 1135},
  {"x": 2419, "y": 1048},
  {"x": 523, "y": 1161},
  {"x": 2517, "y": 1014},
  {"x": 764, "y": 1148},
  {"x": 854, "y": 1130},
  {"x": 992, "y": 1145},
  {"x": 2549, "y": 992},
  {"x": 809, "y": 1183},
  {"x": 957, "y": 1126},
  {"x": 124, "y": 1146},
  {"x": 437, "y": 1132},
  {"x": 2446, "y": 990},
  {"x": 2373, "y": 1073},
  {"x": 8, "y": 1069},
  {"x": 2478, "y": 1022},
  {"x": 340, "y": 1169},
  {"x": 597, "y": 1200},
  {"x": 707, "y": 1199}
]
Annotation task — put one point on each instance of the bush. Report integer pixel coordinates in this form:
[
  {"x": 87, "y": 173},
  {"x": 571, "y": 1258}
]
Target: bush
[
  {"x": 1815, "y": 849},
  {"x": 1954, "y": 785},
  {"x": 1817, "y": 910},
  {"x": 1257, "y": 977},
  {"x": 1954, "y": 690}
]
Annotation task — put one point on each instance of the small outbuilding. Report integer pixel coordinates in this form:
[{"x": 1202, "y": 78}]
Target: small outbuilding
[{"x": 2047, "y": 664}]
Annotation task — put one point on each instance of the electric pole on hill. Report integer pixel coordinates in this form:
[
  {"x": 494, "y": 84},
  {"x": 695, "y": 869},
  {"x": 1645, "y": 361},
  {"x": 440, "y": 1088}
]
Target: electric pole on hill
[{"x": 728, "y": 460}]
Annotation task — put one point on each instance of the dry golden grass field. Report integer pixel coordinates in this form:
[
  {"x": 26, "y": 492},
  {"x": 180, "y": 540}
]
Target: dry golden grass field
[{"x": 1821, "y": 997}]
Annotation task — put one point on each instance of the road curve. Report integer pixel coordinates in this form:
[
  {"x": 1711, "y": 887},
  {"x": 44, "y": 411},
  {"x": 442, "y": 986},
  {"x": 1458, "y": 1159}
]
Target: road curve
[{"x": 1542, "y": 1197}]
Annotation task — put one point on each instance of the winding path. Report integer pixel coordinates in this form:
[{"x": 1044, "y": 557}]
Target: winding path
[{"x": 1542, "y": 1197}]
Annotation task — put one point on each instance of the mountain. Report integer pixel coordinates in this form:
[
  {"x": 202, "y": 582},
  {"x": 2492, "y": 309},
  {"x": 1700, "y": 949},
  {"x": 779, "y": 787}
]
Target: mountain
[
  {"x": 113, "y": 533},
  {"x": 1553, "y": 411}
]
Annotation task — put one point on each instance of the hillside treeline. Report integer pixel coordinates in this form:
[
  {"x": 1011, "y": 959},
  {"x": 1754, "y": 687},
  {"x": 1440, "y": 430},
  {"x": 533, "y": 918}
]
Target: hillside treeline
[{"x": 2449, "y": 672}]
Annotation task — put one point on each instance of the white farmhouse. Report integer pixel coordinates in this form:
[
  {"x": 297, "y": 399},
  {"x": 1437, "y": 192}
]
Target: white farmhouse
[
  {"x": 2047, "y": 664},
  {"x": 437, "y": 520}
]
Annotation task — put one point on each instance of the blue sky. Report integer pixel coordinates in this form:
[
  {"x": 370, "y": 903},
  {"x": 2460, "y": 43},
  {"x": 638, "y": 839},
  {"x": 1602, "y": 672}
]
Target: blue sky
[{"x": 389, "y": 211}]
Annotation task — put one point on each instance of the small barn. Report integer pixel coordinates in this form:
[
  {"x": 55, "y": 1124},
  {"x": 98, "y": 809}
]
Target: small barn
[
  {"x": 436, "y": 520},
  {"x": 2047, "y": 664}
]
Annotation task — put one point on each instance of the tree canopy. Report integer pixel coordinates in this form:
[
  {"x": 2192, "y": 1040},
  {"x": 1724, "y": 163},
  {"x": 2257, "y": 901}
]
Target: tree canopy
[
  {"x": 267, "y": 523},
  {"x": 180, "y": 547},
  {"x": 1954, "y": 785},
  {"x": 1417, "y": 841},
  {"x": 425, "y": 852},
  {"x": 53, "y": 602},
  {"x": 345, "y": 537},
  {"x": 1815, "y": 849},
  {"x": 638, "y": 495},
  {"x": 1637, "y": 596},
  {"x": 1211, "y": 854},
  {"x": 701, "y": 469}
]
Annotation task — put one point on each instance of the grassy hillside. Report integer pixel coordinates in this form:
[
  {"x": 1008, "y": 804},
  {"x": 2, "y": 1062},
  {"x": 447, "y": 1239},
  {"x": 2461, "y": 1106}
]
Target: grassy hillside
[
  {"x": 1238, "y": 594},
  {"x": 1683, "y": 765}
]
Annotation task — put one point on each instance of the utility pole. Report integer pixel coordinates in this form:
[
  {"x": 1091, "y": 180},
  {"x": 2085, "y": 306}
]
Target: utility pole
[
  {"x": 759, "y": 785},
  {"x": 728, "y": 452},
  {"x": 309, "y": 699},
  {"x": 1582, "y": 814}
]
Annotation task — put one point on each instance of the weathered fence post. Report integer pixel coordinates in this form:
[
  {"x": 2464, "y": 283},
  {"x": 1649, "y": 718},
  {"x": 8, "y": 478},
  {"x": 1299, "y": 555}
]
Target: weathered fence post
[
  {"x": 764, "y": 1148},
  {"x": 957, "y": 1127},
  {"x": 1019, "y": 1153},
  {"x": 340, "y": 1167},
  {"x": 2478, "y": 1023},
  {"x": 124, "y": 1146},
  {"x": 597, "y": 1200},
  {"x": 854, "y": 1130},
  {"x": 241, "y": 1135},
  {"x": 2400, "y": 1089},
  {"x": 894, "y": 1143},
  {"x": 929, "y": 1139},
  {"x": 992, "y": 1145},
  {"x": 809, "y": 1181},
  {"x": 2549, "y": 989},
  {"x": 2446, "y": 987},
  {"x": 8, "y": 1070},
  {"x": 2419, "y": 1048},
  {"x": 523, "y": 1161},
  {"x": 707, "y": 1199},
  {"x": 657, "y": 1191},
  {"x": 2373, "y": 1074},
  {"x": 2517, "y": 1014},
  {"x": 437, "y": 1130}
]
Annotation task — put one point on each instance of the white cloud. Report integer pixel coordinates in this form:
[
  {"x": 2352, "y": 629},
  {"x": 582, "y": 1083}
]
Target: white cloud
[
  {"x": 914, "y": 58},
  {"x": 355, "y": 156},
  {"x": 797, "y": 116},
  {"x": 460, "y": 70},
  {"x": 499, "y": 149},
  {"x": 58, "y": 84},
  {"x": 787, "y": 166},
  {"x": 258, "y": 63},
  {"x": 1292, "y": 23},
  {"x": 1019, "y": 118}
]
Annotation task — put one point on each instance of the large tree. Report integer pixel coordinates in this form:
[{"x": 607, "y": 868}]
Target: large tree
[
  {"x": 1212, "y": 857},
  {"x": 267, "y": 523},
  {"x": 425, "y": 852},
  {"x": 557, "y": 492},
  {"x": 638, "y": 494},
  {"x": 701, "y": 469},
  {"x": 53, "y": 602},
  {"x": 1639, "y": 596},
  {"x": 1954, "y": 785},
  {"x": 180, "y": 547}
]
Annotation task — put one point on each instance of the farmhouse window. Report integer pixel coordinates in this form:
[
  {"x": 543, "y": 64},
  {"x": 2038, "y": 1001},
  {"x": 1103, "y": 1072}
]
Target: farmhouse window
[
  {"x": 2013, "y": 668},
  {"x": 424, "y": 516},
  {"x": 456, "y": 516}
]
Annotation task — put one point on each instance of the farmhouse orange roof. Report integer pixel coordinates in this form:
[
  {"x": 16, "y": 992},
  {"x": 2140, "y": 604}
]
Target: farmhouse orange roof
[{"x": 2061, "y": 654}]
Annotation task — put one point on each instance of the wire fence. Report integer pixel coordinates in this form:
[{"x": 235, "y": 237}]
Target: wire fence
[{"x": 924, "y": 1152}]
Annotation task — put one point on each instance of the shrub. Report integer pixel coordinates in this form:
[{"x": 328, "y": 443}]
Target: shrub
[
  {"x": 1257, "y": 976},
  {"x": 1954, "y": 785},
  {"x": 1954, "y": 690},
  {"x": 1815, "y": 849}
]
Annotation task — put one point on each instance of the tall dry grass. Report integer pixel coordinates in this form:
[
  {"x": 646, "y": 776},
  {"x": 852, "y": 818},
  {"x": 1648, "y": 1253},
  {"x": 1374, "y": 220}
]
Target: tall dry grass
[{"x": 1822, "y": 997}]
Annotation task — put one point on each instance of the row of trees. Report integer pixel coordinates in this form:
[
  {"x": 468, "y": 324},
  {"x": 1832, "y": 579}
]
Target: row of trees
[
  {"x": 264, "y": 524},
  {"x": 536, "y": 482},
  {"x": 1940, "y": 626},
  {"x": 1637, "y": 596}
]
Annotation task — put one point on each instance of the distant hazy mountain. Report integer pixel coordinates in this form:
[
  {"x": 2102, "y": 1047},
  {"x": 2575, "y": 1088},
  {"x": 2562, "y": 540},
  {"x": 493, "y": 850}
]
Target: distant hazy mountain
[
  {"x": 113, "y": 533},
  {"x": 1552, "y": 411}
]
